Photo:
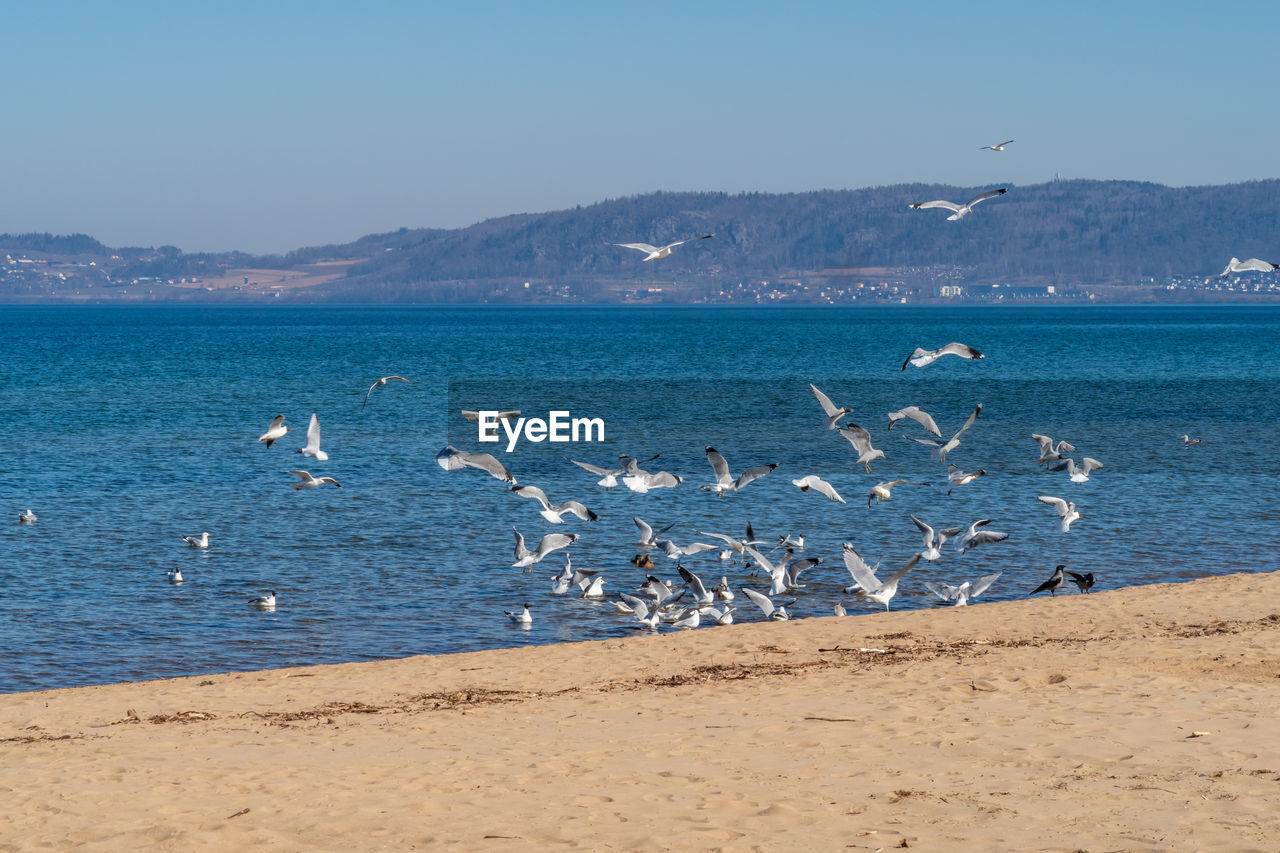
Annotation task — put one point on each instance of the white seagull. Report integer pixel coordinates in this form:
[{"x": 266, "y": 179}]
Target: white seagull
[
  {"x": 1251, "y": 265},
  {"x": 379, "y": 384},
  {"x": 940, "y": 451},
  {"x": 1050, "y": 452},
  {"x": 963, "y": 593},
  {"x": 1066, "y": 510},
  {"x": 771, "y": 611},
  {"x": 921, "y": 357},
  {"x": 550, "y": 542},
  {"x": 174, "y": 575},
  {"x": 675, "y": 552},
  {"x": 313, "y": 441},
  {"x": 959, "y": 211},
  {"x": 641, "y": 481},
  {"x": 653, "y": 253},
  {"x": 522, "y": 618},
  {"x": 866, "y": 584},
  {"x": 264, "y": 602},
  {"x": 306, "y": 481},
  {"x": 1187, "y": 441},
  {"x": 201, "y": 541},
  {"x": 1078, "y": 474},
  {"x": 998, "y": 147},
  {"x": 861, "y": 441},
  {"x": 453, "y": 459},
  {"x": 833, "y": 414},
  {"x": 956, "y": 477},
  {"x": 916, "y": 414},
  {"x": 29, "y": 517},
  {"x": 972, "y": 537},
  {"x": 724, "y": 480},
  {"x": 647, "y": 534},
  {"x": 818, "y": 485},
  {"x": 276, "y": 431},
  {"x": 933, "y": 541},
  {"x": 553, "y": 513},
  {"x": 883, "y": 491}
]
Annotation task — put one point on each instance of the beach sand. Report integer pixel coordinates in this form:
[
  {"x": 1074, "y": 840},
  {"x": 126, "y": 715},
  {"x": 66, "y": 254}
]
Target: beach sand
[{"x": 1136, "y": 719}]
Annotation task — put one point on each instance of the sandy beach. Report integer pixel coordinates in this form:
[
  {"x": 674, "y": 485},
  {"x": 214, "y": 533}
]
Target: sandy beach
[{"x": 1132, "y": 719}]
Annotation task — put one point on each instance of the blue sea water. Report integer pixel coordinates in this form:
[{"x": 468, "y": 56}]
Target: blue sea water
[{"x": 124, "y": 428}]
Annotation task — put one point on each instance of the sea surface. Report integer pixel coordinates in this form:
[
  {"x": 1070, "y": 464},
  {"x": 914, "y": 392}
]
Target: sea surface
[{"x": 125, "y": 428}]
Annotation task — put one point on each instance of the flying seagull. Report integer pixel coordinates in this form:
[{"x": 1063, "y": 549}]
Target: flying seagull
[
  {"x": 972, "y": 537},
  {"x": 921, "y": 357},
  {"x": 550, "y": 542},
  {"x": 883, "y": 491},
  {"x": 956, "y": 477},
  {"x": 1050, "y": 452},
  {"x": 916, "y": 414},
  {"x": 834, "y": 414},
  {"x": 306, "y": 481},
  {"x": 313, "y": 441},
  {"x": 1078, "y": 474},
  {"x": 379, "y": 384},
  {"x": 933, "y": 542},
  {"x": 964, "y": 592},
  {"x": 724, "y": 480},
  {"x": 553, "y": 513},
  {"x": 276, "y": 431},
  {"x": 861, "y": 441},
  {"x": 866, "y": 584},
  {"x": 959, "y": 211},
  {"x": 940, "y": 451},
  {"x": 820, "y": 486},
  {"x": 453, "y": 459},
  {"x": 1251, "y": 265},
  {"x": 999, "y": 147},
  {"x": 653, "y": 253},
  {"x": 1066, "y": 510}
]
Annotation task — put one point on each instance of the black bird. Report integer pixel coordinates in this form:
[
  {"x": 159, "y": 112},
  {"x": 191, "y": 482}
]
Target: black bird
[
  {"x": 1082, "y": 581},
  {"x": 1053, "y": 584}
]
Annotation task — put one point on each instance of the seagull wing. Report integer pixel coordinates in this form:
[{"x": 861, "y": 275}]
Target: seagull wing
[
  {"x": 897, "y": 576},
  {"x": 578, "y": 509},
  {"x": 761, "y": 600},
  {"x": 981, "y": 585},
  {"x": 824, "y": 401},
  {"x": 487, "y": 463},
  {"x": 643, "y": 247},
  {"x": 987, "y": 195},
  {"x": 945, "y": 591},
  {"x": 956, "y": 438},
  {"x": 822, "y": 487},
  {"x": 554, "y": 542},
  {"x": 533, "y": 492},
  {"x": 918, "y": 415},
  {"x": 949, "y": 205},
  {"x": 646, "y": 531},
  {"x": 861, "y": 573},
  {"x": 857, "y": 436},
  {"x": 1057, "y": 503},
  {"x": 962, "y": 350},
  {"x": 594, "y": 469},
  {"x": 752, "y": 474},
  {"x": 687, "y": 240},
  {"x": 313, "y": 434},
  {"x": 762, "y": 560},
  {"x": 304, "y": 476},
  {"x": 1089, "y": 463},
  {"x": 720, "y": 467},
  {"x": 694, "y": 582},
  {"x": 925, "y": 529}
]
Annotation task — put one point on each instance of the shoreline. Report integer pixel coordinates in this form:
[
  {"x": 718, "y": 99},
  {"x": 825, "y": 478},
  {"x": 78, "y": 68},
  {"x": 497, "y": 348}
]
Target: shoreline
[{"x": 1136, "y": 718}]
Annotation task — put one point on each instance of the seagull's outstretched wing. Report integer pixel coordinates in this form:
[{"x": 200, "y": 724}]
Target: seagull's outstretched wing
[
  {"x": 916, "y": 414},
  {"x": 949, "y": 205},
  {"x": 987, "y": 195},
  {"x": 861, "y": 573},
  {"x": 977, "y": 411},
  {"x": 1057, "y": 503},
  {"x": 453, "y": 459},
  {"x": 688, "y": 240},
  {"x": 313, "y": 434},
  {"x": 752, "y": 474},
  {"x": 643, "y": 247},
  {"x": 981, "y": 584},
  {"x": 962, "y": 350},
  {"x": 720, "y": 467}
]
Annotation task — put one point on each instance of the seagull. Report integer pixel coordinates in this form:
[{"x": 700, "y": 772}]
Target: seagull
[
  {"x": 737, "y": 545},
  {"x": 833, "y": 414},
  {"x": 1078, "y": 475},
  {"x": 675, "y": 551},
  {"x": 963, "y": 593},
  {"x": 940, "y": 451},
  {"x": 957, "y": 478},
  {"x": 264, "y": 602},
  {"x": 174, "y": 575},
  {"x": 921, "y": 357},
  {"x": 1066, "y": 511},
  {"x": 723, "y": 592},
  {"x": 313, "y": 441},
  {"x": 201, "y": 541},
  {"x": 640, "y": 609},
  {"x": 972, "y": 537},
  {"x": 27, "y": 517},
  {"x": 654, "y": 253},
  {"x": 306, "y": 481},
  {"x": 688, "y": 620},
  {"x": 726, "y": 615},
  {"x": 999, "y": 147},
  {"x": 595, "y": 589},
  {"x": 276, "y": 431},
  {"x": 959, "y": 211},
  {"x": 861, "y": 441},
  {"x": 1049, "y": 452},
  {"x": 1251, "y": 265},
  {"x": 1187, "y": 441},
  {"x": 524, "y": 618},
  {"x": 839, "y": 610},
  {"x": 881, "y": 491},
  {"x": 766, "y": 605},
  {"x": 1053, "y": 584},
  {"x": 609, "y": 476},
  {"x": 701, "y": 595},
  {"x": 383, "y": 381},
  {"x": 1084, "y": 582},
  {"x": 553, "y": 513},
  {"x": 453, "y": 459},
  {"x": 724, "y": 480},
  {"x": 866, "y": 584},
  {"x": 818, "y": 485},
  {"x": 646, "y": 532},
  {"x": 916, "y": 414},
  {"x": 641, "y": 481},
  {"x": 550, "y": 542},
  {"x": 933, "y": 541}
]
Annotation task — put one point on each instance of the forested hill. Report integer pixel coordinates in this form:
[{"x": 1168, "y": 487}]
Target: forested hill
[{"x": 1069, "y": 232}]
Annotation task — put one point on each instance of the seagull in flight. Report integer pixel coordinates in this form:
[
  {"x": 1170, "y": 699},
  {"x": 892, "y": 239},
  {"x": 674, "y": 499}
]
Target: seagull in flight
[
  {"x": 882, "y": 491},
  {"x": 921, "y": 357},
  {"x": 866, "y": 584},
  {"x": 999, "y": 147},
  {"x": 933, "y": 541},
  {"x": 959, "y": 211},
  {"x": 453, "y": 459},
  {"x": 380, "y": 383},
  {"x": 1251, "y": 265},
  {"x": 833, "y": 414},
  {"x": 962, "y": 594},
  {"x": 820, "y": 486},
  {"x": 772, "y": 612},
  {"x": 861, "y": 441},
  {"x": 553, "y": 513},
  {"x": 550, "y": 542},
  {"x": 313, "y": 441},
  {"x": 957, "y": 478},
  {"x": 940, "y": 451},
  {"x": 972, "y": 537},
  {"x": 306, "y": 481},
  {"x": 1050, "y": 452},
  {"x": 724, "y": 480},
  {"x": 1053, "y": 584},
  {"x": 276, "y": 431},
  {"x": 1066, "y": 510},
  {"x": 1078, "y": 474},
  {"x": 916, "y": 414},
  {"x": 653, "y": 253}
]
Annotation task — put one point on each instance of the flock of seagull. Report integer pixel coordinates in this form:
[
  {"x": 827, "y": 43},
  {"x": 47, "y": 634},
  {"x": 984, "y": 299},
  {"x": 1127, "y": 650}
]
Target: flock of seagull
[{"x": 774, "y": 566}]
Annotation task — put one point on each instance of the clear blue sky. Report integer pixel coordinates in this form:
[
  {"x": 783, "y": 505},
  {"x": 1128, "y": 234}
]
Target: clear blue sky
[{"x": 271, "y": 125}]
